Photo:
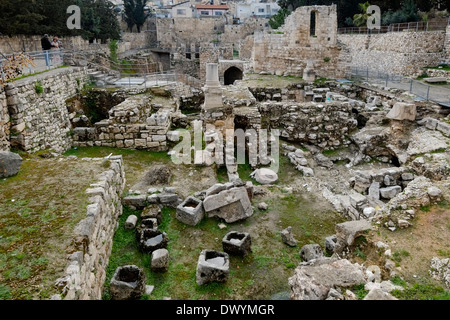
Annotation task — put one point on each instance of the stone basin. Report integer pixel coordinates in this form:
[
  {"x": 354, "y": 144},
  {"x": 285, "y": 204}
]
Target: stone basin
[{"x": 151, "y": 240}]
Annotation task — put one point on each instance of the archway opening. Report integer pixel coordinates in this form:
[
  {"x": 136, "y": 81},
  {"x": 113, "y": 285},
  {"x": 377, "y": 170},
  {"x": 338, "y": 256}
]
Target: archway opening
[{"x": 231, "y": 75}]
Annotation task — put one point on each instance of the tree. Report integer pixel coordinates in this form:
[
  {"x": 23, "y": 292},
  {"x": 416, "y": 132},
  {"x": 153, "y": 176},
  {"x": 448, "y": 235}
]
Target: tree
[
  {"x": 278, "y": 19},
  {"x": 140, "y": 15},
  {"x": 135, "y": 14},
  {"x": 129, "y": 6},
  {"x": 360, "y": 19},
  {"x": 31, "y": 17}
]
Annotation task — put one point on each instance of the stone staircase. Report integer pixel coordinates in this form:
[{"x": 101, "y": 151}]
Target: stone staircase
[{"x": 102, "y": 78}]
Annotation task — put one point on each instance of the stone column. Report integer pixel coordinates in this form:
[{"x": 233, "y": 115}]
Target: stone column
[
  {"x": 308, "y": 73},
  {"x": 213, "y": 91}
]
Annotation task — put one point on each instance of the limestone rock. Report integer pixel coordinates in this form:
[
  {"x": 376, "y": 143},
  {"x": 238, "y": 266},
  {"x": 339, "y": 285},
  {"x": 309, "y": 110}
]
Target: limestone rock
[
  {"x": 10, "y": 163},
  {"x": 347, "y": 232},
  {"x": 330, "y": 243},
  {"x": 288, "y": 238},
  {"x": 231, "y": 205},
  {"x": 160, "y": 260},
  {"x": 378, "y": 294},
  {"x": 390, "y": 192},
  {"x": 310, "y": 252},
  {"x": 265, "y": 176},
  {"x": 440, "y": 270},
  {"x": 403, "y": 111},
  {"x": 313, "y": 280}
]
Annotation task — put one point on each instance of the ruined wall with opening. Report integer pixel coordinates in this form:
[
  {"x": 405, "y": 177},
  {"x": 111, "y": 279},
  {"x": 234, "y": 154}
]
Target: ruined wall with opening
[
  {"x": 4, "y": 122},
  {"x": 396, "y": 52},
  {"x": 287, "y": 50},
  {"x": 91, "y": 247},
  {"x": 38, "y": 114},
  {"x": 136, "y": 123}
]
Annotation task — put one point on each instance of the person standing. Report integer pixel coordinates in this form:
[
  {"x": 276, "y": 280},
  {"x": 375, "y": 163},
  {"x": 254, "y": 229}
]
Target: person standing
[
  {"x": 56, "y": 46},
  {"x": 46, "y": 46}
]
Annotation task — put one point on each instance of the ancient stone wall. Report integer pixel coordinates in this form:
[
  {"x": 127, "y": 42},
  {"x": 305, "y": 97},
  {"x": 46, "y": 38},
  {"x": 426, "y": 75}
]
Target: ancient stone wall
[
  {"x": 324, "y": 125},
  {"x": 175, "y": 32},
  {"x": 137, "y": 40},
  {"x": 396, "y": 52},
  {"x": 287, "y": 50},
  {"x": 85, "y": 273},
  {"x": 38, "y": 112},
  {"x": 19, "y": 43},
  {"x": 135, "y": 124},
  {"x": 4, "y": 122}
]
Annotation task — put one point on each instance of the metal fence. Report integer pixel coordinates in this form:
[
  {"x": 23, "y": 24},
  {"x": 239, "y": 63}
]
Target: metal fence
[
  {"x": 398, "y": 27},
  {"x": 421, "y": 90}
]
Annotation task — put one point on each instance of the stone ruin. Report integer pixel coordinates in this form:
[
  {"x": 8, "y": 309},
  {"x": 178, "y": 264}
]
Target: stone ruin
[
  {"x": 237, "y": 243},
  {"x": 213, "y": 266},
  {"x": 127, "y": 283}
]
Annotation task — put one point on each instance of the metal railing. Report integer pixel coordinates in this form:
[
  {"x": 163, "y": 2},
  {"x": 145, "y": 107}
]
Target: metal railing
[
  {"x": 421, "y": 90},
  {"x": 157, "y": 79},
  {"x": 398, "y": 27}
]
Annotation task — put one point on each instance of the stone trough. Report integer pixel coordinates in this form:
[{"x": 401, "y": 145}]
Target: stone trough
[
  {"x": 212, "y": 266},
  {"x": 190, "y": 211},
  {"x": 151, "y": 240},
  {"x": 237, "y": 243},
  {"x": 127, "y": 283}
]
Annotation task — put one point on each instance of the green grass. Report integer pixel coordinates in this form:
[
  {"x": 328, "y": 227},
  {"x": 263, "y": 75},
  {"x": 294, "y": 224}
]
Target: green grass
[
  {"x": 399, "y": 281},
  {"x": 38, "y": 87},
  {"x": 5, "y": 292},
  {"x": 359, "y": 291},
  {"x": 398, "y": 255},
  {"x": 422, "y": 291},
  {"x": 39, "y": 207}
]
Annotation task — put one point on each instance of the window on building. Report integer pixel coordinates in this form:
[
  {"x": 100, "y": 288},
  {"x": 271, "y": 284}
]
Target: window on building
[
  {"x": 181, "y": 12},
  {"x": 204, "y": 13},
  {"x": 313, "y": 23},
  {"x": 217, "y": 13},
  {"x": 261, "y": 10}
]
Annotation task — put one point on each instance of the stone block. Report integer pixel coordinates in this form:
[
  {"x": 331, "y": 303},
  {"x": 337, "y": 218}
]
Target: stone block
[
  {"x": 127, "y": 283},
  {"x": 160, "y": 260},
  {"x": 310, "y": 252},
  {"x": 231, "y": 205},
  {"x": 9, "y": 164},
  {"x": 237, "y": 243},
  {"x": 390, "y": 192},
  {"x": 190, "y": 211},
  {"x": 212, "y": 266}
]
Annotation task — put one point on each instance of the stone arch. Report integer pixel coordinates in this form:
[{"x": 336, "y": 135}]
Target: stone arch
[{"x": 232, "y": 74}]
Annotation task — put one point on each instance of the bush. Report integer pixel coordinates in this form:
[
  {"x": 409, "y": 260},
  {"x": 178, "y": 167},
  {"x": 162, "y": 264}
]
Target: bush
[
  {"x": 278, "y": 20},
  {"x": 38, "y": 87}
]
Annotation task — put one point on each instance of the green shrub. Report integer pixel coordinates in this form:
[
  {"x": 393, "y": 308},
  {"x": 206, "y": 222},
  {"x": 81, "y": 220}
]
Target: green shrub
[{"x": 38, "y": 87}]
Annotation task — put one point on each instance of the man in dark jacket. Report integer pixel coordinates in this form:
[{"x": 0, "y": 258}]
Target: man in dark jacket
[{"x": 46, "y": 46}]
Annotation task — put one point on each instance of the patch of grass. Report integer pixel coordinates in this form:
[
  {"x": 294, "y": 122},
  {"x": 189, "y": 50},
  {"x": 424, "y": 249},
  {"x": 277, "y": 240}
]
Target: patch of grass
[
  {"x": 422, "y": 291},
  {"x": 425, "y": 208},
  {"x": 38, "y": 87},
  {"x": 423, "y": 76},
  {"x": 444, "y": 253},
  {"x": 398, "y": 255},
  {"x": 360, "y": 254},
  {"x": 399, "y": 281},
  {"x": 5, "y": 292},
  {"x": 359, "y": 291}
]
